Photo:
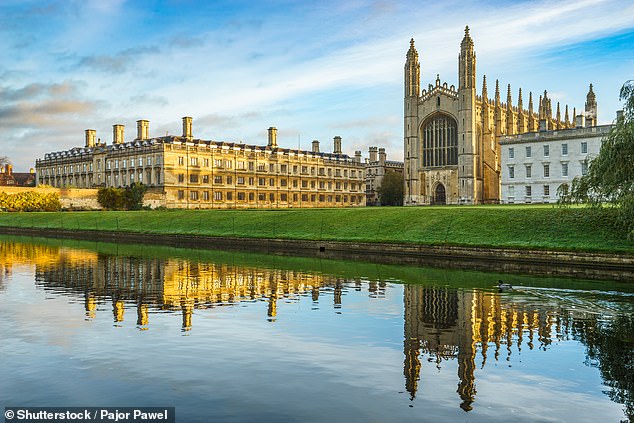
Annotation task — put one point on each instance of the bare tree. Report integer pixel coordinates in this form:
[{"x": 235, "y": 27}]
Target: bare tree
[{"x": 4, "y": 160}]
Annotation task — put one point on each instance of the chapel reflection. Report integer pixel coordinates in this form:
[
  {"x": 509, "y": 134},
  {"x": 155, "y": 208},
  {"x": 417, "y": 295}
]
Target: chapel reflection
[
  {"x": 446, "y": 324},
  {"x": 181, "y": 285}
]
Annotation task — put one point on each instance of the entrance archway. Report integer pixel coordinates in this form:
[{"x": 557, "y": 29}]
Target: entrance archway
[{"x": 439, "y": 195}]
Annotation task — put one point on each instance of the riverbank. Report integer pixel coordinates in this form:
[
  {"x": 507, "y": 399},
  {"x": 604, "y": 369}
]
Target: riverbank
[{"x": 533, "y": 239}]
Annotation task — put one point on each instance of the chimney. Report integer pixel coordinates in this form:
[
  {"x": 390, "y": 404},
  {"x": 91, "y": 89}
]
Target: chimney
[
  {"x": 580, "y": 121},
  {"x": 382, "y": 156},
  {"x": 142, "y": 129},
  {"x": 543, "y": 125},
  {"x": 272, "y": 137},
  {"x": 91, "y": 136},
  {"x": 187, "y": 127},
  {"x": 357, "y": 156},
  {"x": 337, "y": 149},
  {"x": 315, "y": 146},
  {"x": 117, "y": 134},
  {"x": 373, "y": 154},
  {"x": 8, "y": 169}
]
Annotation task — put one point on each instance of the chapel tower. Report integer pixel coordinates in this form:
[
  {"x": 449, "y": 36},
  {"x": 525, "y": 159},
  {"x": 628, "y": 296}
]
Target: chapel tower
[
  {"x": 469, "y": 179},
  {"x": 411, "y": 150}
]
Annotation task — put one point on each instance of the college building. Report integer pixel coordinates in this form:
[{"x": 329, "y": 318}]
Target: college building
[
  {"x": 376, "y": 167},
  {"x": 189, "y": 172},
  {"x": 452, "y": 134}
]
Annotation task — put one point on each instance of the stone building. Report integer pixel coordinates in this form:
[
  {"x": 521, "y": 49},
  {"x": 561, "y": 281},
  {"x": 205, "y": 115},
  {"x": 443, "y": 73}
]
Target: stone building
[
  {"x": 376, "y": 167},
  {"x": 538, "y": 166},
  {"x": 196, "y": 173},
  {"x": 9, "y": 178},
  {"x": 451, "y": 142}
]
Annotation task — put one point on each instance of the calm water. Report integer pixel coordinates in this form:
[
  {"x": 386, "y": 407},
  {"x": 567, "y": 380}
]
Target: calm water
[{"x": 238, "y": 337}]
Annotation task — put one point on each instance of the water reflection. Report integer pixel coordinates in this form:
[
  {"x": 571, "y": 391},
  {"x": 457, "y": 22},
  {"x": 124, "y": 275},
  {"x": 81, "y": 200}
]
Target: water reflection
[{"x": 471, "y": 328}]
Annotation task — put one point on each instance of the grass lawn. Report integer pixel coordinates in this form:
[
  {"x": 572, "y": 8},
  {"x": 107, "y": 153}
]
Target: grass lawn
[{"x": 518, "y": 226}]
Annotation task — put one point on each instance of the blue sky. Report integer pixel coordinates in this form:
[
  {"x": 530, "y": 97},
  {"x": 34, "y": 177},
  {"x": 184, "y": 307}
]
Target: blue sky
[{"x": 312, "y": 69}]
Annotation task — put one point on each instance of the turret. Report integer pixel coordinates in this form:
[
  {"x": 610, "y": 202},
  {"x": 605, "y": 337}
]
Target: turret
[
  {"x": 591, "y": 108},
  {"x": 412, "y": 72},
  {"x": 467, "y": 62}
]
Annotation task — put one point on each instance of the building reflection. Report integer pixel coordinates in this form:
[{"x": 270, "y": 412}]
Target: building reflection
[
  {"x": 472, "y": 327},
  {"x": 178, "y": 285}
]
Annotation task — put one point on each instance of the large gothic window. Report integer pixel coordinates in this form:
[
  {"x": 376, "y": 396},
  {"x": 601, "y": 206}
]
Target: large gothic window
[{"x": 440, "y": 141}]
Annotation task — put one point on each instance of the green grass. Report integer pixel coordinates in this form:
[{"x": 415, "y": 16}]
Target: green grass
[{"x": 535, "y": 226}]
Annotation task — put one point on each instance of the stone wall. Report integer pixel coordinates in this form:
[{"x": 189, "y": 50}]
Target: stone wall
[{"x": 85, "y": 199}]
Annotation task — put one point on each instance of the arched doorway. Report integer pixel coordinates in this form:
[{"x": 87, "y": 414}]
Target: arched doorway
[{"x": 439, "y": 195}]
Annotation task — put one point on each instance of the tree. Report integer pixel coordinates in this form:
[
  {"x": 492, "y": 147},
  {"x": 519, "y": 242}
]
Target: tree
[
  {"x": 391, "y": 189},
  {"x": 609, "y": 183},
  {"x": 4, "y": 160},
  {"x": 130, "y": 198}
]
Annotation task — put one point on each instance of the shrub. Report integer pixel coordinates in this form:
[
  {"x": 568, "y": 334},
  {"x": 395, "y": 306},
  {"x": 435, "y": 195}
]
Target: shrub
[{"x": 29, "y": 201}]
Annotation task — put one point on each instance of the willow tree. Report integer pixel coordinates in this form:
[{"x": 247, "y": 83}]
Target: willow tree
[{"x": 609, "y": 182}]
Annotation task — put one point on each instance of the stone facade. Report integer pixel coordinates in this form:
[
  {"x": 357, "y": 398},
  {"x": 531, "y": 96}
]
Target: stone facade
[
  {"x": 536, "y": 166},
  {"x": 451, "y": 142},
  {"x": 195, "y": 173},
  {"x": 376, "y": 167}
]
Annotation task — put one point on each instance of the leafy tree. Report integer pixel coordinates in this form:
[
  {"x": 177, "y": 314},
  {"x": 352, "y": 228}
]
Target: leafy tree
[
  {"x": 609, "y": 182},
  {"x": 391, "y": 189},
  {"x": 134, "y": 196},
  {"x": 128, "y": 198}
]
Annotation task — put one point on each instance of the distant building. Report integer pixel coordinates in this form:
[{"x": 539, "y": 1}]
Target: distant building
[
  {"x": 196, "y": 173},
  {"x": 13, "y": 179},
  {"x": 537, "y": 165},
  {"x": 375, "y": 170},
  {"x": 451, "y": 142}
]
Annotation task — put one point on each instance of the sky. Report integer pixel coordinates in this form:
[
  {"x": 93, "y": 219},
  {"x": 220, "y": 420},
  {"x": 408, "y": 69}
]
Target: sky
[{"x": 314, "y": 70}]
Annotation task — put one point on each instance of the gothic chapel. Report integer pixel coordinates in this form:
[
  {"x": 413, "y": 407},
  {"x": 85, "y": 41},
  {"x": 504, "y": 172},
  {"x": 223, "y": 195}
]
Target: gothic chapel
[{"x": 452, "y": 153}]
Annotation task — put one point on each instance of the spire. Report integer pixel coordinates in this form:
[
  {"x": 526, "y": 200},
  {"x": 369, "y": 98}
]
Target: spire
[
  {"x": 574, "y": 114},
  {"x": 558, "y": 112},
  {"x": 509, "y": 100},
  {"x": 412, "y": 72},
  {"x": 530, "y": 102},
  {"x": 520, "y": 103},
  {"x": 497, "y": 92},
  {"x": 485, "y": 94},
  {"x": 466, "y": 63},
  {"x": 566, "y": 116},
  {"x": 541, "y": 108},
  {"x": 467, "y": 42}
]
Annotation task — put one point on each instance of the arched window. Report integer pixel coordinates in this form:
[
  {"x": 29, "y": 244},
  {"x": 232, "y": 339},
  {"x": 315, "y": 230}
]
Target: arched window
[{"x": 440, "y": 141}]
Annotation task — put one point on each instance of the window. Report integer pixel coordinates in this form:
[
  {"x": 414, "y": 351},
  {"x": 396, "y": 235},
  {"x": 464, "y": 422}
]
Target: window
[
  {"x": 511, "y": 172},
  {"x": 564, "y": 149},
  {"x": 251, "y": 181},
  {"x": 181, "y": 160},
  {"x": 511, "y": 191},
  {"x": 194, "y": 161},
  {"x": 193, "y": 195},
  {"x": 148, "y": 161},
  {"x": 261, "y": 197},
  {"x": 228, "y": 164},
  {"x": 193, "y": 179},
  {"x": 181, "y": 193},
  {"x": 261, "y": 181},
  {"x": 546, "y": 171},
  {"x": 283, "y": 168},
  {"x": 241, "y": 166},
  {"x": 529, "y": 171},
  {"x": 241, "y": 196},
  {"x": 206, "y": 162},
  {"x": 511, "y": 153},
  {"x": 217, "y": 195},
  {"x": 218, "y": 163},
  {"x": 181, "y": 178},
  {"x": 282, "y": 182},
  {"x": 140, "y": 161},
  {"x": 271, "y": 167},
  {"x": 271, "y": 197},
  {"x": 584, "y": 147},
  {"x": 546, "y": 151},
  {"x": 305, "y": 184},
  {"x": 229, "y": 180},
  {"x": 251, "y": 196},
  {"x": 283, "y": 197},
  {"x": 240, "y": 180},
  {"x": 205, "y": 179},
  {"x": 272, "y": 182},
  {"x": 205, "y": 195},
  {"x": 124, "y": 163},
  {"x": 440, "y": 141},
  {"x": 546, "y": 190},
  {"x": 528, "y": 190},
  {"x": 564, "y": 169},
  {"x": 229, "y": 196},
  {"x": 217, "y": 179},
  {"x": 584, "y": 168},
  {"x": 528, "y": 151}
]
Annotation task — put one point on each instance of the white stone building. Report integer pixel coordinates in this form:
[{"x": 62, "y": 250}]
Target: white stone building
[{"x": 536, "y": 165}]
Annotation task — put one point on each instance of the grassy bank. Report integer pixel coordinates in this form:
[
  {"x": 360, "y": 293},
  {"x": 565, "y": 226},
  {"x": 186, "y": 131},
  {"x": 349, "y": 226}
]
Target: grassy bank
[{"x": 536, "y": 226}]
